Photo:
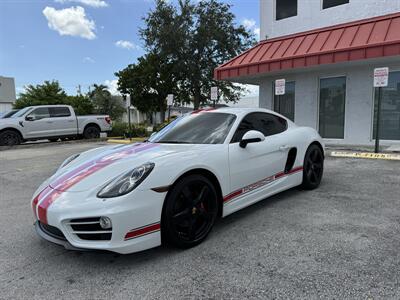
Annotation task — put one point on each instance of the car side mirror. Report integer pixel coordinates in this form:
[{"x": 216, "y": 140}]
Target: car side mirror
[
  {"x": 252, "y": 136},
  {"x": 153, "y": 134},
  {"x": 30, "y": 118}
]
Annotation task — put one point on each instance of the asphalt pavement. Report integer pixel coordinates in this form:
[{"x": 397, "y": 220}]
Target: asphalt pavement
[{"x": 339, "y": 241}]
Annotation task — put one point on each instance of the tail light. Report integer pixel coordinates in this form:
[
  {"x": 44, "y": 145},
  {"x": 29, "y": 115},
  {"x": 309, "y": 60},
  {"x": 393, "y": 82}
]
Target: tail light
[{"x": 108, "y": 120}]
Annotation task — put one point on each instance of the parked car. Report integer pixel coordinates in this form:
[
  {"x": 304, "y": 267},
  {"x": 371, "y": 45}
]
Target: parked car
[
  {"x": 8, "y": 114},
  {"x": 50, "y": 122},
  {"x": 209, "y": 163}
]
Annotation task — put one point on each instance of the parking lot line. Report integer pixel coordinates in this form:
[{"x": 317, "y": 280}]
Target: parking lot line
[{"x": 367, "y": 155}]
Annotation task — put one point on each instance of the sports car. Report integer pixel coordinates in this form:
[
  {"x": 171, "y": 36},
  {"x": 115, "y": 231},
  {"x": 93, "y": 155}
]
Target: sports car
[{"x": 171, "y": 188}]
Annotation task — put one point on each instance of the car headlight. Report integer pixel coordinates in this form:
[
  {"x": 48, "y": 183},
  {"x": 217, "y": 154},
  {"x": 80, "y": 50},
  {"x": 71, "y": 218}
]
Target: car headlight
[
  {"x": 68, "y": 160},
  {"x": 126, "y": 182}
]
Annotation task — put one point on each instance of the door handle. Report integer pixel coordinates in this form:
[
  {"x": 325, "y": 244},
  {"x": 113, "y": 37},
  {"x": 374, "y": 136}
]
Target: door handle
[
  {"x": 49, "y": 122},
  {"x": 283, "y": 148},
  {"x": 71, "y": 121}
]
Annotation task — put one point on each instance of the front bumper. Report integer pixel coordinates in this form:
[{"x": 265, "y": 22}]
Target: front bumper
[
  {"x": 54, "y": 239},
  {"x": 133, "y": 219}
]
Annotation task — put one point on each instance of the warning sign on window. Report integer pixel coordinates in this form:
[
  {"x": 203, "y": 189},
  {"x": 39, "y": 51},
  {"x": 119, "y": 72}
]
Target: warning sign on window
[
  {"x": 280, "y": 86},
  {"x": 381, "y": 77}
]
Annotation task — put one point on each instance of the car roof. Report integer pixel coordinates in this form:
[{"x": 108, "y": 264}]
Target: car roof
[{"x": 240, "y": 110}]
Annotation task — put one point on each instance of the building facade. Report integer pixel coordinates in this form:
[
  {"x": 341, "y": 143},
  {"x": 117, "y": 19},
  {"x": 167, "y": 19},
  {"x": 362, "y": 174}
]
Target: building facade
[
  {"x": 326, "y": 50},
  {"x": 7, "y": 93}
]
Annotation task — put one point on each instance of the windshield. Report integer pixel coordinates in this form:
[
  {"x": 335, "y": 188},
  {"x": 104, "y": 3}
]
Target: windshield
[
  {"x": 21, "y": 112},
  {"x": 9, "y": 114},
  {"x": 196, "y": 128}
]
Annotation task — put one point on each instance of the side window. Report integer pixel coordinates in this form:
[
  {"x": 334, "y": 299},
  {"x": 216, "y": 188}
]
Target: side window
[
  {"x": 40, "y": 113},
  {"x": 56, "y": 112},
  {"x": 266, "y": 123},
  {"x": 285, "y": 9},
  {"x": 332, "y": 3}
]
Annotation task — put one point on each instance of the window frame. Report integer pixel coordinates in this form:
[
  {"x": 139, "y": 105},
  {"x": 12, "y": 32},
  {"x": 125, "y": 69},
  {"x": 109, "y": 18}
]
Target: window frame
[
  {"x": 275, "y": 11},
  {"x": 374, "y": 100},
  {"x": 62, "y": 107},
  {"x": 322, "y": 5},
  {"x": 258, "y": 112}
]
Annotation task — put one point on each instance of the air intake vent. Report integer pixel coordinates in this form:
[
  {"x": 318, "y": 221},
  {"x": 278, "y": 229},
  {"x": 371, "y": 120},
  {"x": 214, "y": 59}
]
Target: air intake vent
[{"x": 90, "y": 229}]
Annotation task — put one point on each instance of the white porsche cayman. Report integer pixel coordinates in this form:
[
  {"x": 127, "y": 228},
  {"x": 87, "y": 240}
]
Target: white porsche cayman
[{"x": 171, "y": 188}]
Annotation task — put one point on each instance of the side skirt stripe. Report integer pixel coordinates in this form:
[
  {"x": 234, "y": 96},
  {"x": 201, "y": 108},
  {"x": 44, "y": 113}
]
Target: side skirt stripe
[{"x": 259, "y": 184}]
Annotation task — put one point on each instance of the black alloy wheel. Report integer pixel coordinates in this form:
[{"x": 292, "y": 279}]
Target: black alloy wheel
[
  {"x": 9, "y": 138},
  {"x": 91, "y": 132},
  {"x": 189, "y": 212},
  {"x": 313, "y": 167}
]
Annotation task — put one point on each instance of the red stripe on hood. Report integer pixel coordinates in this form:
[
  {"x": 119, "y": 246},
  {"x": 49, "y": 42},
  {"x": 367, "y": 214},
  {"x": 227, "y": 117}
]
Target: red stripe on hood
[{"x": 76, "y": 175}]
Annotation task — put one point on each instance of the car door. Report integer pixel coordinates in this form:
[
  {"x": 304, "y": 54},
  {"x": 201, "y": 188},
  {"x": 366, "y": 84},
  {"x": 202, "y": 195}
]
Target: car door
[
  {"x": 254, "y": 167},
  {"x": 63, "y": 121},
  {"x": 37, "y": 123}
]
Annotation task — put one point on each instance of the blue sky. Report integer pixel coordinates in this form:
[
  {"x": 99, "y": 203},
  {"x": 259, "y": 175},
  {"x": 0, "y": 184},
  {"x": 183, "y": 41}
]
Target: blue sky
[{"x": 79, "y": 42}]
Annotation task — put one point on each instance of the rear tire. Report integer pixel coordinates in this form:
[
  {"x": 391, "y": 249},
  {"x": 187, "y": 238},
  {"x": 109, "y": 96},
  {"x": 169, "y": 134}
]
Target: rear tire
[
  {"x": 9, "y": 138},
  {"x": 189, "y": 211},
  {"x": 313, "y": 168},
  {"x": 91, "y": 132}
]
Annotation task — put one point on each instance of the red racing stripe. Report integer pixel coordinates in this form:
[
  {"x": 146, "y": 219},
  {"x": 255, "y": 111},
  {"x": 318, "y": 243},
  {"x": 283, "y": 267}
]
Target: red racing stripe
[
  {"x": 135, "y": 233},
  {"x": 259, "y": 184},
  {"x": 76, "y": 175}
]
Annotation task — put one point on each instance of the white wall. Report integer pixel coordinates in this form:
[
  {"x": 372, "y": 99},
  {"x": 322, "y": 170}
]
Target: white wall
[
  {"x": 7, "y": 91},
  {"x": 310, "y": 15},
  {"x": 4, "y": 107},
  {"x": 359, "y": 98}
]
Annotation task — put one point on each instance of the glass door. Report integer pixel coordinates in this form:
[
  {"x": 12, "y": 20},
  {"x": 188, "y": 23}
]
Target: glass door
[
  {"x": 332, "y": 100},
  {"x": 284, "y": 104}
]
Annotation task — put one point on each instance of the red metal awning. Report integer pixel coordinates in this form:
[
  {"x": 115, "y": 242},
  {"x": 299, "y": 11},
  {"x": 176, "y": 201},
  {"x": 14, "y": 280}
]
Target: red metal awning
[{"x": 364, "y": 39}]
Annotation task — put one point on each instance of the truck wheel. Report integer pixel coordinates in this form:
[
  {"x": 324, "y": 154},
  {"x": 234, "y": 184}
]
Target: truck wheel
[
  {"x": 91, "y": 132},
  {"x": 9, "y": 138}
]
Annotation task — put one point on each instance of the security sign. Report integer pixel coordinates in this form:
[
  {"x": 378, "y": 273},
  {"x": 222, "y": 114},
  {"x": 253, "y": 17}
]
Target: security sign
[
  {"x": 214, "y": 93},
  {"x": 280, "y": 86},
  {"x": 170, "y": 99},
  {"x": 381, "y": 77}
]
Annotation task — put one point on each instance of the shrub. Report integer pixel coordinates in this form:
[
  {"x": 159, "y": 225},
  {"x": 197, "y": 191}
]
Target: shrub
[{"x": 121, "y": 129}]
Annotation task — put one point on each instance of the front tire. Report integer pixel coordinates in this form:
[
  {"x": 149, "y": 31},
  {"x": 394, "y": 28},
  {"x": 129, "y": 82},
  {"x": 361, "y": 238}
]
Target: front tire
[
  {"x": 189, "y": 212},
  {"x": 313, "y": 167},
  {"x": 9, "y": 138}
]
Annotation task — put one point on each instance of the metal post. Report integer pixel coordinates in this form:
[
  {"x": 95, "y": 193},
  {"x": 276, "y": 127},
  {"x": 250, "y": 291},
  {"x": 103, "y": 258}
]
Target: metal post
[
  {"x": 130, "y": 123},
  {"x": 378, "y": 120}
]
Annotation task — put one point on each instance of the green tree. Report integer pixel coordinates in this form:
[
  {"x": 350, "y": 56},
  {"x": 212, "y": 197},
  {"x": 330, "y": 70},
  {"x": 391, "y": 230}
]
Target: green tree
[
  {"x": 47, "y": 93},
  {"x": 81, "y": 104},
  {"x": 148, "y": 82},
  {"x": 196, "y": 37},
  {"x": 105, "y": 103}
]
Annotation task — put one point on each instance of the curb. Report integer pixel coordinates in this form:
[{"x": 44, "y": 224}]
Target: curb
[
  {"x": 125, "y": 141},
  {"x": 365, "y": 155}
]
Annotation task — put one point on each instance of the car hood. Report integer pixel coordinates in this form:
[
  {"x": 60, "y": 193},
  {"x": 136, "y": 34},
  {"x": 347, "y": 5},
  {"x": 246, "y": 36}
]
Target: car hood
[{"x": 93, "y": 169}]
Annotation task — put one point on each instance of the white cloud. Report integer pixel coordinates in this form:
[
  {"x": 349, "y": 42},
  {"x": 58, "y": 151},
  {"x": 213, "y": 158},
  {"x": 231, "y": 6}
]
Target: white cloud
[
  {"x": 70, "y": 21},
  {"x": 126, "y": 45},
  {"x": 88, "y": 59},
  {"x": 92, "y": 3},
  {"x": 112, "y": 86},
  {"x": 250, "y": 24}
]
